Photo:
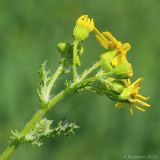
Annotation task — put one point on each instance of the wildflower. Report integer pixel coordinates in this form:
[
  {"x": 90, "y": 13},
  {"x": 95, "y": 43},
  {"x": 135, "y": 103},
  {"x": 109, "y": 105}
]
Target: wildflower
[
  {"x": 102, "y": 39},
  {"x": 121, "y": 57},
  {"x": 84, "y": 25},
  {"x": 108, "y": 41},
  {"x": 131, "y": 96},
  {"x": 85, "y": 22}
]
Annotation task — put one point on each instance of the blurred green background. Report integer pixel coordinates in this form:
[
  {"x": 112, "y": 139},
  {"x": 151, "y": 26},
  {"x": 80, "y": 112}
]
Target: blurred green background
[{"x": 29, "y": 32}]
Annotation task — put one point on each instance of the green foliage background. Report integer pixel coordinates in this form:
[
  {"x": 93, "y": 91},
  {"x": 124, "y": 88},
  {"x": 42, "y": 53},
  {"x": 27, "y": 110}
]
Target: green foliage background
[{"x": 29, "y": 32}]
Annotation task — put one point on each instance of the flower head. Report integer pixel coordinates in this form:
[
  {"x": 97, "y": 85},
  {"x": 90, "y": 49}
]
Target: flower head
[
  {"x": 131, "y": 96},
  {"x": 108, "y": 41},
  {"x": 121, "y": 57},
  {"x": 85, "y": 22},
  {"x": 84, "y": 25}
]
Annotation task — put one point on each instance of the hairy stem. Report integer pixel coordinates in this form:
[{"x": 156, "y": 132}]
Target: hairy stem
[
  {"x": 74, "y": 68},
  {"x": 43, "y": 110},
  {"x": 53, "y": 80},
  {"x": 36, "y": 118},
  {"x": 89, "y": 71}
]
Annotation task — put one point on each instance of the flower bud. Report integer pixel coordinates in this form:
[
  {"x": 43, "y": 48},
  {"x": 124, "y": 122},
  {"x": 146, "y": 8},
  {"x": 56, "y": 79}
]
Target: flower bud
[
  {"x": 63, "y": 47},
  {"x": 115, "y": 89},
  {"x": 80, "y": 33},
  {"x": 117, "y": 86},
  {"x": 122, "y": 71},
  {"x": 112, "y": 88},
  {"x": 84, "y": 26}
]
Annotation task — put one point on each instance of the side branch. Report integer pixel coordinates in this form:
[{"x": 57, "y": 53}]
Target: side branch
[{"x": 74, "y": 68}]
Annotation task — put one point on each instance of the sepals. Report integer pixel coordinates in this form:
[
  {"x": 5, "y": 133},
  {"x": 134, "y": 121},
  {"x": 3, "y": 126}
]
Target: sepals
[
  {"x": 115, "y": 88},
  {"x": 122, "y": 71},
  {"x": 110, "y": 87},
  {"x": 80, "y": 33}
]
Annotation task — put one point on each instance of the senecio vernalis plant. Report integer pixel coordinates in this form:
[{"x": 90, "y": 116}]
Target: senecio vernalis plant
[{"x": 109, "y": 75}]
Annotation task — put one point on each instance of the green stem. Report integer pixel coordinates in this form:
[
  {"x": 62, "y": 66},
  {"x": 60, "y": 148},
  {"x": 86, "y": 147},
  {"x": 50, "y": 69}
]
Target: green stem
[
  {"x": 43, "y": 110},
  {"x": 74, "y": 68},
  {"x": 37, "y": 117},
  {"x": 53, "y": 80},
  {"x": 89, "y": 71}
]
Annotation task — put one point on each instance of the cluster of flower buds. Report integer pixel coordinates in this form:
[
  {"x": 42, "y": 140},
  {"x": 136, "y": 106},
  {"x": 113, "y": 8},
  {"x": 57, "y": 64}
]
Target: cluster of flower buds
[{"x": 113, "y": 63}]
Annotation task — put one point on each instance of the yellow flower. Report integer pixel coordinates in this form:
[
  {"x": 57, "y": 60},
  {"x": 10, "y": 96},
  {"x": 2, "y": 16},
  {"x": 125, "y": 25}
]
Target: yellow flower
[
  {"x": 131, "y": 96},
  {"x": 102, "y": 39},
  {"x": 121, "y": 57},
  {"x": 86, "y": 22},
  {"x": 84, "y": 25},
  {"x": 108, "y": 41}
]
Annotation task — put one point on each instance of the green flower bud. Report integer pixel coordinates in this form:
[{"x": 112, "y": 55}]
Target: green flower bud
[
  {"x": 110, "y": 87},
  {"x": 80, "y": 33},
  {"x": 122, "y": 71},
  {"x": 66, "y": 50},
  {"x": 84, "y": 26},
  {"x": 117, "y": 86},
  {"x": 63, "y": 47},
  {"x": 115, "y": 89}
]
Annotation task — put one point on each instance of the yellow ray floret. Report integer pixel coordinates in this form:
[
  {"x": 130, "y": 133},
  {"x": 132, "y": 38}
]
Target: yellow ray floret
[
  {"x": 102, "y": 39},
  {"x": 135, "y": 97},
  {"x": 86, "y": 22},
  {"x": 108, "y": 41}
]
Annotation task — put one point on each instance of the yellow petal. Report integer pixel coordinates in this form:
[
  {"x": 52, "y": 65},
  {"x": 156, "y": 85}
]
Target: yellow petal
[
  {"x": 86, "y": 22},
  {"x": 129, "y": 81},
  {"x": 142, "y": 103},
  {"x": 139, "y": 108},
  {"x": 102, "y": 42},
  {"x": 138, "y": 82},
  {"x": 142, "y": 97},
  {"x": 112, "y": 38},
  {"x": 124, "y": 48},
  {"x": 98, "y": 33}
]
